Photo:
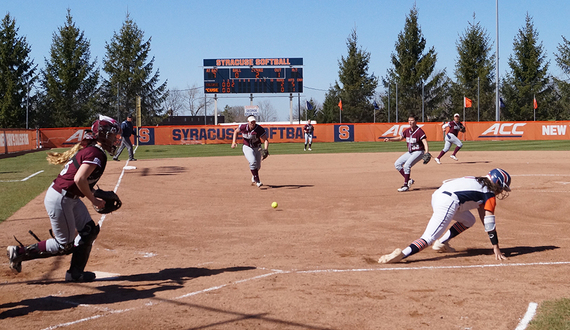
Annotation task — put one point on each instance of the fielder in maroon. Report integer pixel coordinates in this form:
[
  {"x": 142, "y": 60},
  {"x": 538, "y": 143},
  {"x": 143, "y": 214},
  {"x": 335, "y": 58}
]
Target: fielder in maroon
[
  {"x": 417, "y": 146},
  {"x": 253, "y": 136},
  {"x": 455, "y": 126}
]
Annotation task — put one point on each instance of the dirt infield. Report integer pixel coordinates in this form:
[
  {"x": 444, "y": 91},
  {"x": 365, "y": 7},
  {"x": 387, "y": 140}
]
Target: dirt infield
[{"x": 196, "y": 247}]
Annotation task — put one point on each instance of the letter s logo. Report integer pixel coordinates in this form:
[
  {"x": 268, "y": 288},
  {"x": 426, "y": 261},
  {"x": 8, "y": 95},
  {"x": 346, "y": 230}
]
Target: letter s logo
[
  {"x": 146, "y": 135},
  {"x": 343, "y": 133}
]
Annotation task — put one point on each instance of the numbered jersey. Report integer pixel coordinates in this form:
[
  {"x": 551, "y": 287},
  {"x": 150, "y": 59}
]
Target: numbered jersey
[
  {"x": 454, "y": 127},
  {"x": 414, "y": 138},
  {"x": 309, "y": 129},
  {"x": 89, "y": 155},
  {"x": 251, "y": 137}
]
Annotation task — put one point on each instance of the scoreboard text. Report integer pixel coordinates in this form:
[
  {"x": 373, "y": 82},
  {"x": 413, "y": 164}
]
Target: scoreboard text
[{"x": 249, "y": 79}]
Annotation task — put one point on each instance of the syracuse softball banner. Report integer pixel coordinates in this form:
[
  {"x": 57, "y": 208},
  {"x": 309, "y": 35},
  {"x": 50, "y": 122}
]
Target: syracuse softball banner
[{"x": 366, "y": 132}]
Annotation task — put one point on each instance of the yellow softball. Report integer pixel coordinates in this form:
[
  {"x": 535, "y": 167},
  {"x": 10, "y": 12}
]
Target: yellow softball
[{"x": 274, "y": 204}]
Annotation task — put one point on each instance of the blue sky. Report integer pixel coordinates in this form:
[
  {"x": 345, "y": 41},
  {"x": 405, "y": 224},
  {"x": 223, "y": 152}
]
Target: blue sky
[{"x": 186, "y": 32}]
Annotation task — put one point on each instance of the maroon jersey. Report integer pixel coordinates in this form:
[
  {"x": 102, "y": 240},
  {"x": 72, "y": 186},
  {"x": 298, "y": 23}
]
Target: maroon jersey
[
  {"x": 88, "y": 155},
  {"x": 251, "y": 137},
  {"x": 453, "y": 127},
  {"x": 308, "y": 129},
  {"x": 414, "y": 139}
]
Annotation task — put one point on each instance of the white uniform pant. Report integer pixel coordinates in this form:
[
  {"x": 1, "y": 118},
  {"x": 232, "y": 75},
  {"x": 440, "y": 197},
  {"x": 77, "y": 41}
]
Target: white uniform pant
[
  {"x": 67, "y": 216},
  {"x": 253, "y": 156},
  {"x": 308, "y": 138},
  {"x": 407, "y": 160},
  {"x": 451, "y": 139},
  {"x": 445, "y": 207}
]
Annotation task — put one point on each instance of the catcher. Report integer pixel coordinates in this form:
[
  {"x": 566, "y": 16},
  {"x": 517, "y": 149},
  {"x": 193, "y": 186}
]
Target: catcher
[{"x": 84, "y": 165}]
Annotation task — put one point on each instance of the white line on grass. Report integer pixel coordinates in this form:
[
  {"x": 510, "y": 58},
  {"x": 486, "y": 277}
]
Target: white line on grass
[{"x": 24, "y": 179}]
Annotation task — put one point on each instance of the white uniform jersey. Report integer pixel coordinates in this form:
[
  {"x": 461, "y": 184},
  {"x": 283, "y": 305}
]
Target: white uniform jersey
[{"x": 470, "y": 193}]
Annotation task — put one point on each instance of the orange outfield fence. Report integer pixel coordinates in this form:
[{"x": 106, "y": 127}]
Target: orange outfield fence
[
  {"x": 16, "y": 140},
  {"x": 19, "y": 140}
]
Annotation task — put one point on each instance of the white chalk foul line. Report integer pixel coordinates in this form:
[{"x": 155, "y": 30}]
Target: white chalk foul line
[
  {"x": 24, "y": 179},
  {"x": 530, "y": 312},
  {"x": 277, "y": 271}
]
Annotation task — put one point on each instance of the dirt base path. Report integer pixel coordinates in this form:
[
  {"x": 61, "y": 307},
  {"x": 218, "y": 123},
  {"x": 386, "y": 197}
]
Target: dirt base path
[{"x": 196, "y": 247}]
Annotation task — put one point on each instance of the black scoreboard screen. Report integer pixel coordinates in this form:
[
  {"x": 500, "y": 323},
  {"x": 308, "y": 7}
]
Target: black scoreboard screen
[{"x": 251, "y": 80}]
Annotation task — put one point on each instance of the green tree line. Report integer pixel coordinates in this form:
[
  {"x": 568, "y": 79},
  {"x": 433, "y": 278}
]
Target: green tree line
[{"x": 71, "y": 89}]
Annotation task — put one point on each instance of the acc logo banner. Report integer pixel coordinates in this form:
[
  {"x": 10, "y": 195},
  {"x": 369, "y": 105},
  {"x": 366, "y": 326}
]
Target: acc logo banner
[
  {"x": 146, "y": 135},
  {"x": 396, "y": 130},
  {"x": 504, "y": 130},
  {"x": 343, "y": 133}
]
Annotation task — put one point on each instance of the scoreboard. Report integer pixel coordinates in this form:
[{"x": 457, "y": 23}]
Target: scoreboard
[{"x": 261, "y": 76}]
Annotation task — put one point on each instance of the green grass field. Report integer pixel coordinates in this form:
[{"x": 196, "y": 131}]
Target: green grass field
[{"x": 14, "y": 193}]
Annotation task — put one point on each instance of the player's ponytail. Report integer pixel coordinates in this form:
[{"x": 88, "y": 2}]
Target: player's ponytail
[{"x": 59, "y": 158}]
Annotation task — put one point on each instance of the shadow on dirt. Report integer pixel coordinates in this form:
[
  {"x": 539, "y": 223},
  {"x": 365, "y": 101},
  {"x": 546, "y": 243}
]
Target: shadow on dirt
[
  {"x": 288, "y": 186},
  {"x": 137, "y": 286},
  {"x": 508, "y": 252}
]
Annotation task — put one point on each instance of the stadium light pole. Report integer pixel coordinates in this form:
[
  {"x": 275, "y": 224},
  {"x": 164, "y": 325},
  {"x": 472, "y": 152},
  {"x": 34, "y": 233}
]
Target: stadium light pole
[{"x": 497, "y": 108}]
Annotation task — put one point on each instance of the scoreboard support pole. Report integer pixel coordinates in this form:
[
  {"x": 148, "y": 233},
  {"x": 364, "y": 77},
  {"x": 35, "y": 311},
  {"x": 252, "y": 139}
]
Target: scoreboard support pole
[
  {"x": 215, "y": 109},
  {"x": 291, "y": 108}
]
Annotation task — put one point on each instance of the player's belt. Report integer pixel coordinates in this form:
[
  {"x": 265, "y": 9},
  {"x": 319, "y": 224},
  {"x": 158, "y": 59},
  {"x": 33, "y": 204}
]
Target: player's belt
[
  {"x": 447, "y": 193},
  {"x": 68, "y": 194}
]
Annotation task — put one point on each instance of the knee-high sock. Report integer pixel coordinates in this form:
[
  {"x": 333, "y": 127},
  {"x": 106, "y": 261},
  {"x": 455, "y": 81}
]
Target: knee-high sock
[
  {"x": 455, "y": 230},
  {"x": 255, "y": 174},
  {"x": 456, "y": 150}
]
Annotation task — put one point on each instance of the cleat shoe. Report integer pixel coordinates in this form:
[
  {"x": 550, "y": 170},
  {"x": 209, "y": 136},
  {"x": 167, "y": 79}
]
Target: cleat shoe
[
  {"x": 310, "y": 149},
  {"x": 442, "y": 247},
  {"x": 259, "y": 184},
  {"x": 404, "y": 188},
  {"x": 437, "y": 161},
  {"x": 410, "y": 183},
  {"x": 305, "y": 149},
  {"x": 133, "y": 159},
  {"x": 391, "y": 258},
  {"x": 83, "y": 277},
  {"x": 453, "y": 157},
  {"x": 252, "y": 181},
  {"x": 15, "y": 259},
  {"x": 115, "y": 159}
]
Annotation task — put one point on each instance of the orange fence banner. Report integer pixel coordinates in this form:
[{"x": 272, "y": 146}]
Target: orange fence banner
[
  {"x": 14, "y": 140},
  {"x": 285, "y": 133}
]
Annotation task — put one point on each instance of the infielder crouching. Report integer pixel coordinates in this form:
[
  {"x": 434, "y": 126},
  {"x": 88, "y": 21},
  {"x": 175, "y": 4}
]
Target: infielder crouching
[{"x": 253, "y": 135}]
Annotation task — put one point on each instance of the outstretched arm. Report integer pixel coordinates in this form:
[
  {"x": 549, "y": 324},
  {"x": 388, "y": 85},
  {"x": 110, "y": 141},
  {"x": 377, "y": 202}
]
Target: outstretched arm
[
  {"x": 234, "y": 143},
  {"x": 488, "y": 220}
]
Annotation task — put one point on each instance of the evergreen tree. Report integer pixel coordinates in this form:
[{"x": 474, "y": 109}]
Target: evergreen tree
[
  {"x": 562, "y": 110},
  {"x": 330, "y": 112},
  {"x": 414, "y": 73},
  {"x": 528, "y": 77},
  {"x": 69, "y": 80},
  {"x": 16, "y": 75},
  {"x": 474, "y": 70},
  {"x": 357, "y": 85},
  {"x": 130, "y": 75}
]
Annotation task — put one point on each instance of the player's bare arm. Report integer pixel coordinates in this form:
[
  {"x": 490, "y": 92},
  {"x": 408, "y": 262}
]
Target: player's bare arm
[
  {"x": 80, "y": 180},
  {"x": 426, "y": 147},
  {"x": 234, "y": 143},
  {"x": 397, "y": 138}
]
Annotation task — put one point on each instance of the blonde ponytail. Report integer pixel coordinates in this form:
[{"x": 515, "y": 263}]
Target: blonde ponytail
[{"x": 59, "y": 158}]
